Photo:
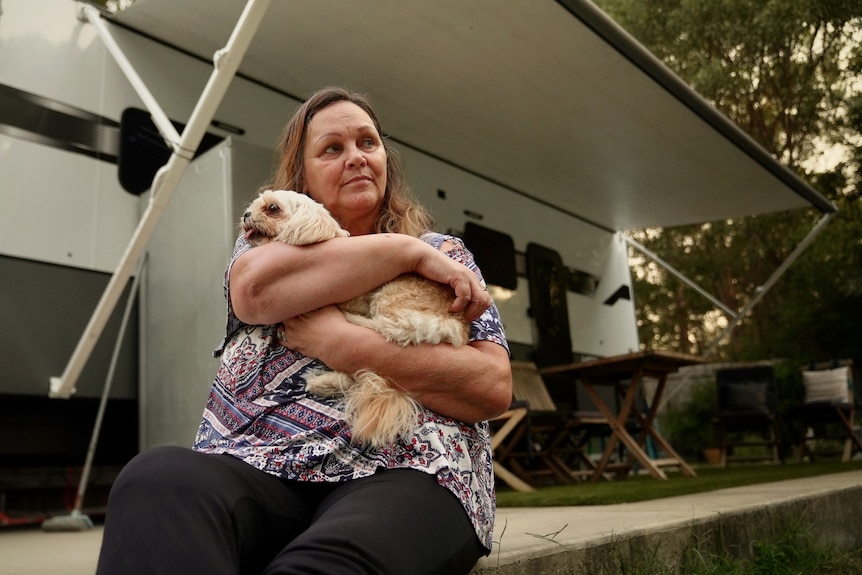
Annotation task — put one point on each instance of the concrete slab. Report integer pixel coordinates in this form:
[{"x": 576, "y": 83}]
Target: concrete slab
[{"x": 31, "y": 551}]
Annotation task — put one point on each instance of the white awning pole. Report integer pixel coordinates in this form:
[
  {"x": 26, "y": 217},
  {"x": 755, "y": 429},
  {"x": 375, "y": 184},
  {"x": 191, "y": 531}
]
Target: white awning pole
[
  {"x": 225, "y": 63},
  {"x": 90, "y": 14},
  {"x": 682, "y": 277},
  {"x": 761, "y": 290}
]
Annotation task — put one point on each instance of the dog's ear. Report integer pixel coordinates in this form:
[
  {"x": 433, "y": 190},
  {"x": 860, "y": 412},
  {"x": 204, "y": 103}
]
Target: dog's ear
[{"x": 307, "y": 222}]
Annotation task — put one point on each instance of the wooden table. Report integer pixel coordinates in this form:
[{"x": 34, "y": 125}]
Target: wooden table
[{"x": 626, "y": 373}]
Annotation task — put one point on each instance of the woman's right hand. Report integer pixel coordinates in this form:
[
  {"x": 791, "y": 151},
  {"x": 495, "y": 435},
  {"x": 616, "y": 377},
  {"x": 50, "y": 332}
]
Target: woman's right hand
[{"x": 471, "y": 296}]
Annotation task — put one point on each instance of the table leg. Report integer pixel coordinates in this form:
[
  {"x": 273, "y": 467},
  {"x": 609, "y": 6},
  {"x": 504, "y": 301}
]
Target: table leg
[
  {"x": 636, "y": 448},
  {"x": 647, "y": 430},
  {"x": 620, "y": 433},
  {"x": 598, "y": 472}
]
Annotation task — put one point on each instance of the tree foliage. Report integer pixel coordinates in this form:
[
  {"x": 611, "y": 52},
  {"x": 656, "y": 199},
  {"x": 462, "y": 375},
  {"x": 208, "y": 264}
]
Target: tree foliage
[{"x": 789, "y": 73}]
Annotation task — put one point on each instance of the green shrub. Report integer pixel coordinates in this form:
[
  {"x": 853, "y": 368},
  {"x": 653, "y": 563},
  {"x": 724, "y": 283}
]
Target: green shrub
[{"x": 688, "y": 426}]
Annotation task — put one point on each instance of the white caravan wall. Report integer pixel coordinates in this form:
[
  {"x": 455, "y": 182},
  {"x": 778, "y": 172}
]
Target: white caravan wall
[
  {"x": 596, "y": 329},
  {"x": 62, "y": 59},
  {"x": 57, "y": 206},
  {"x": 184, "y": 308},
  {"x": 62, "y": 208},
  {"x": 599, "y": 329}
]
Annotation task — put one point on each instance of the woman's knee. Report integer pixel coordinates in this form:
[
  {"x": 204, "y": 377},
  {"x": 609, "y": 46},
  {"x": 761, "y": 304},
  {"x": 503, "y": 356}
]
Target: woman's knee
[{"x": 156, "y": 471}]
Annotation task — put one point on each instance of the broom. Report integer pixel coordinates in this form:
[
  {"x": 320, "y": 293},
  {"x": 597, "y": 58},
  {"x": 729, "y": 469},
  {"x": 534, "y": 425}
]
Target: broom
[{"x": 77, "y": 520}]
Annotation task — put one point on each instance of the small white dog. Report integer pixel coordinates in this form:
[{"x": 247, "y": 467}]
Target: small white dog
[{"x": 408, "y": 310}]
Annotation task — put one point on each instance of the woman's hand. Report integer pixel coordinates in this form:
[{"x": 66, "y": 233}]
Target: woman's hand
[
  {"x": 313, "y": 333},
  {"x": 470, "y": 295}
]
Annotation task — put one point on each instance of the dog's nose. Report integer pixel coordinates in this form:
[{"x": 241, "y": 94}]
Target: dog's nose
[{"x": 246, "y": 216}]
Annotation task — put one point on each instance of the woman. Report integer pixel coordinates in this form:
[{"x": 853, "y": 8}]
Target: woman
[{"x": 274, "y": 484}]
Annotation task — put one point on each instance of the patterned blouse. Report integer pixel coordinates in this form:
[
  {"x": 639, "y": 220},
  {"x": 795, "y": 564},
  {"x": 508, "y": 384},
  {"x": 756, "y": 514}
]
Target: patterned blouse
[{"x": 258, "y": 411}]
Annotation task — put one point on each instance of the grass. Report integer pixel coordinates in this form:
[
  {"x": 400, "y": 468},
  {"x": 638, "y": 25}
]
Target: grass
[
  {"x": 794, "y": 552},
  {"x": 643, "y": 488}
]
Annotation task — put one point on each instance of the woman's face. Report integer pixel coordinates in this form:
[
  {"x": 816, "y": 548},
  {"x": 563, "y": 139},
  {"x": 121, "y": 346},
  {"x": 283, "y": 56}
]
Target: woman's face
[{"x": 345, "y": 165}]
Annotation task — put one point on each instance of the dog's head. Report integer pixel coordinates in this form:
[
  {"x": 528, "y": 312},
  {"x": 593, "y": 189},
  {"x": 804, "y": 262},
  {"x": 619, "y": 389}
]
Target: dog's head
[{"x": 289, "y": 217}]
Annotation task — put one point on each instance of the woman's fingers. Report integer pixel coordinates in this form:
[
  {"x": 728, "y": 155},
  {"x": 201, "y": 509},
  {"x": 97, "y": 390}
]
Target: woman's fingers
[{"x": 470, "y": 297}]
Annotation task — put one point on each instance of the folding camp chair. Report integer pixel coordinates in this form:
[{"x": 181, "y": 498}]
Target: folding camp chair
[
  {"x": 548, "y": 442},
  {"x": 747, "y": 410},
  {"x": 828, "y": 412}
]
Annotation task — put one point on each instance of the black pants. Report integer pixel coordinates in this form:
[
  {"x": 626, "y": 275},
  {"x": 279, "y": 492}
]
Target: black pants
[{"x": 173, "y": 510}]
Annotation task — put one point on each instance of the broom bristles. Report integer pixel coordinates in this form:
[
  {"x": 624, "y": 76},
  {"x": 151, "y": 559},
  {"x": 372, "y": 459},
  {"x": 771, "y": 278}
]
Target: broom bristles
[{"x": 76, "y": 521}]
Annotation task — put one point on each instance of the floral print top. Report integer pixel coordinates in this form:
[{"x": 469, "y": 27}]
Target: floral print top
[{"x": 258, "y": 411}]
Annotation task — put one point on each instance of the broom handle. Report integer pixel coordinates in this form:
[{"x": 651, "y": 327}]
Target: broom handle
[{"x": 106, "y": 391}]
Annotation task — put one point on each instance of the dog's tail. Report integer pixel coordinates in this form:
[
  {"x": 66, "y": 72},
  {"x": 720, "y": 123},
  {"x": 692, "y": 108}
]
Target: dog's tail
[{"x": 378, "y": 413}]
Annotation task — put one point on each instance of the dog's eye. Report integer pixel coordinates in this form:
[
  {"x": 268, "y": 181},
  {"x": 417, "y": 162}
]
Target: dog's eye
[{"x": 273, "y": 208}]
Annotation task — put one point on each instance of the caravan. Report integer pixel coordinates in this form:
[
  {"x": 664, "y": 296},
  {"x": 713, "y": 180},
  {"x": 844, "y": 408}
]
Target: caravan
[{"x": 540, "y": 130}]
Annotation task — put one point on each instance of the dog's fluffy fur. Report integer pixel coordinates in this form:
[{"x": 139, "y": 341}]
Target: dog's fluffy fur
[{"x": 408, "y": 310}]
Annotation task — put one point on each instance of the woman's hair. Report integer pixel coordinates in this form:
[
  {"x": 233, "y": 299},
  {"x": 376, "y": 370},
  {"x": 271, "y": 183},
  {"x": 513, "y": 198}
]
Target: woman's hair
[{"x": 400, "y": 211}]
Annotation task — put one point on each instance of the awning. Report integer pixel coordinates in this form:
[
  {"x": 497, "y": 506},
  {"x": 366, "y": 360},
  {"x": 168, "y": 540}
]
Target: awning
[{"x": 551, "y": 99}]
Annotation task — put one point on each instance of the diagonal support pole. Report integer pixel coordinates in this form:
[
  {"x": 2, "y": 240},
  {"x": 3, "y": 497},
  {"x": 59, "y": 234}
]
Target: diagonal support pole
[
  {"x": 225, "y": 64},
  {"x": 89, "y": 13},
  {"x": 761, "y": 290},
  {"x": 678, "y": 274}
]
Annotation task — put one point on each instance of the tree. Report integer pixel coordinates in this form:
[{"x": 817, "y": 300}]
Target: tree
[{"x": 785, "y": 71}]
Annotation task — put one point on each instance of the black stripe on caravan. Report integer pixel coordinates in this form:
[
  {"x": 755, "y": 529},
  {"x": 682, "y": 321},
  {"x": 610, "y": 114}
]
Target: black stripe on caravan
[{"x": 48, "y": 122}]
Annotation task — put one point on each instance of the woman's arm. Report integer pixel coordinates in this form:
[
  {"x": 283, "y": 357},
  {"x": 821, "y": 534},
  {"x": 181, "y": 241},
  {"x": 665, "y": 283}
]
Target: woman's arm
[
  {"x": 277, "y": 281},
  {"x": 469, "y": 383}
]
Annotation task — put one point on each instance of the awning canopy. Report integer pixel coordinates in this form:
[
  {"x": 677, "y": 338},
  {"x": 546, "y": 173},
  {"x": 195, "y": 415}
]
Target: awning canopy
[{"x": 550, "y": 99}]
